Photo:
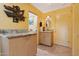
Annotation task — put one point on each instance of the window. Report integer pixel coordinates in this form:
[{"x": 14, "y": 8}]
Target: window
[{"x": 32, "y": 22}]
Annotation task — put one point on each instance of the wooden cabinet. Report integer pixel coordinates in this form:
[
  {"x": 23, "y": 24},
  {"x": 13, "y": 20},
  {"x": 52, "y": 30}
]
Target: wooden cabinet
[
  {"x": 19, "y": 45},
  {"x": 23, "y": 46},
  {"x": 0, "y": 47},
  {"x": 46, "y": 38}
]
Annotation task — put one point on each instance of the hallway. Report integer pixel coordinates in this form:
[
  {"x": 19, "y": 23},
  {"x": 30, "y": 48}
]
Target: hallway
[{"x": 56, "y": 50}]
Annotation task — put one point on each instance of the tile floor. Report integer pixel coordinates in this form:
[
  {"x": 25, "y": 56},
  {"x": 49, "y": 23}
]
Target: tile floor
[{"x": 56, "y": 50}]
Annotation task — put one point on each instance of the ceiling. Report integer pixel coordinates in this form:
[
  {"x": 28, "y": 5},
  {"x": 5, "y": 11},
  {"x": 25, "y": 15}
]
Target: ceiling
[{"x": 46, "y": 7}]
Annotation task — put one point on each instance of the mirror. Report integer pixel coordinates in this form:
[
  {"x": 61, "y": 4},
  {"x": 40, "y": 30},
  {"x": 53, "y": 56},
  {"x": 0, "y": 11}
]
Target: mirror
[{"x": 48, "y": 22}]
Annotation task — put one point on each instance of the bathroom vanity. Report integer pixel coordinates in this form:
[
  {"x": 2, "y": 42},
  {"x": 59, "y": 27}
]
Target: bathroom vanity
[
  {"x": 46, "y": 38},
  {"x": 20, "y": 44}
]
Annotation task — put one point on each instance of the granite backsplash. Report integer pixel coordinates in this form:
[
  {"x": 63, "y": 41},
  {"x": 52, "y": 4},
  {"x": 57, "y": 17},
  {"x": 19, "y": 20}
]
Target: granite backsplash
[{"x": 10, "y": 31}]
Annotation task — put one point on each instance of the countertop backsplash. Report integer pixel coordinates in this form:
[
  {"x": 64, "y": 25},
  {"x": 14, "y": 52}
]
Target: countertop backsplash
[{"x": 9, "y": 31}]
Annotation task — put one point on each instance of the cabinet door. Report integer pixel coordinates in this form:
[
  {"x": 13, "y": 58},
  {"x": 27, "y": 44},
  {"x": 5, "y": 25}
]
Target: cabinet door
[
  {"x": 42, "y": 38},
  {"x": 46, "y": 38},
  {"x": 0, "y": 46},
  {"x": 23, "y": 46}
]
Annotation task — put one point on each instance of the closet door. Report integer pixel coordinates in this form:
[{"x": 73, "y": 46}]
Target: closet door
[{"x": 62, "y": 30}]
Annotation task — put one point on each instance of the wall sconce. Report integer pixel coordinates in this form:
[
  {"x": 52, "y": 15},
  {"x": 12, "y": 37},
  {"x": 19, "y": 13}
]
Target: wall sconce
[{"x": 40, "y": 24}]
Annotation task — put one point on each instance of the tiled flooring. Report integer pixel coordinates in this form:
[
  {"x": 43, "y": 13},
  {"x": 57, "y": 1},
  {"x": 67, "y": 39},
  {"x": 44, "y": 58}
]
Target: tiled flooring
[{"x": 56, "y": 50}]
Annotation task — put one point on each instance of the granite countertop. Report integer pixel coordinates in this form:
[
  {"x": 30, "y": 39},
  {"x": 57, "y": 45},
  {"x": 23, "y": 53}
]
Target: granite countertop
[
  {"x": 46, "y": 31},
  {"x": 17, "y": 34}
]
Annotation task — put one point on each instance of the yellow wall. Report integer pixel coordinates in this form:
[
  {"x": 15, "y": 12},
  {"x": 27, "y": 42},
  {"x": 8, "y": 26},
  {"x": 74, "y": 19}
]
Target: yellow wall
[
  {"x": 65, "y": 14},
  {"x": 75, "y": 8},
  {"x": 7, "y": 22},
  {"x": 70, "y": 12}
]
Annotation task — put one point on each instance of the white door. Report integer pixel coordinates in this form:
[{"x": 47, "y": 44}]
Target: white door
[{"x": 61, "y": 30}]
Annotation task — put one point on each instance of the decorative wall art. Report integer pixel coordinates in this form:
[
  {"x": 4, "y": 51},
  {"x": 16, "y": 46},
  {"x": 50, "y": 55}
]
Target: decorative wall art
[{"x": 15, "y": 12}]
